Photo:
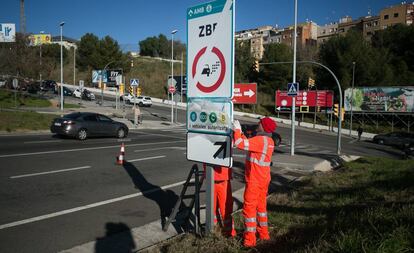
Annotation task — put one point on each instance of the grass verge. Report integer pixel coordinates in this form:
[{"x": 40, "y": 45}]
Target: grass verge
[
  {"x": 7, "y": 100},
  {"x": 367, "y": 206},
  {"x": 21, "y": 121}
]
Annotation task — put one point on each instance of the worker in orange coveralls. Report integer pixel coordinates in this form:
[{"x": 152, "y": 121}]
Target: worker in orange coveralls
[
  {"x": 257, "y": 175},
  {"x": 223, "y": 195}
]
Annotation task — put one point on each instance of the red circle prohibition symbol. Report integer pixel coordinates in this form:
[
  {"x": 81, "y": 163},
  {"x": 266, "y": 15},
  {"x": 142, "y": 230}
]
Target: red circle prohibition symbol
[{"x": 216, "y": 85}]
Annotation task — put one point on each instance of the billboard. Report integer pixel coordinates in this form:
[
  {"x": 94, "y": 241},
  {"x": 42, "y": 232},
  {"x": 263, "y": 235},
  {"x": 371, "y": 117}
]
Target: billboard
[
  {"x": 40, "y": 39},
  {"x": 96, "y": 76},
  {"x": 7, "y": 32},
  {"x": 312, "y": 98},
  {"x": 380, "y": 99}
]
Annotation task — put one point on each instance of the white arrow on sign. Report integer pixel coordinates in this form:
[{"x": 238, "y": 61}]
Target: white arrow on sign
[
  {"x": 249, "y": 93},
  {"x": 278, "y": 108}
]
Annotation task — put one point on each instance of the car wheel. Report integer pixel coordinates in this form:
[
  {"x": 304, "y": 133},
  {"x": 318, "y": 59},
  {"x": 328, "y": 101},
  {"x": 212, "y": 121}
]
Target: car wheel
[
  {"x": 380, "y": 142},
  {"x": 121, "y": 133},
  {"x": 82, "y": 134},
  {"x": 140, "y": 104}
]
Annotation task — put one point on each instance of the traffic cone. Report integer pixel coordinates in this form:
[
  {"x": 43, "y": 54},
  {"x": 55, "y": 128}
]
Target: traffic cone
[{"x": 120, "y": 158}]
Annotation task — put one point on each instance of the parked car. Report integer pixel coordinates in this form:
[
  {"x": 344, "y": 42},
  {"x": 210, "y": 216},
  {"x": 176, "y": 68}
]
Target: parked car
[
  {"x": 140, "y": 100},
  {"x": 85, "y": 94},
  {"x": 66, "y": 91},
  {"x": 82, "y": 125},
  {"x": 47, "y": 85},
  {"x": 249, "y": 131},
  {"x": 396, "y": 139}
]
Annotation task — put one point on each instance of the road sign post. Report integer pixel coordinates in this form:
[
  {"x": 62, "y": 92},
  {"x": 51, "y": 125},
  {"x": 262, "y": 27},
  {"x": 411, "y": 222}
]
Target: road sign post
[{"x": 210, "y": 88}]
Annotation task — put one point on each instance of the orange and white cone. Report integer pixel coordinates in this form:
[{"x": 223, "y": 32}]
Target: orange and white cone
[{"x": 120, "y": 158}]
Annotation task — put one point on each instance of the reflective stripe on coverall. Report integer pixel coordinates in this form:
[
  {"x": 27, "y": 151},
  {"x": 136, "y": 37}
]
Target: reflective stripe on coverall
[
  {"x": 257, "y": 175},
  {"x": 223, "y": 198}
]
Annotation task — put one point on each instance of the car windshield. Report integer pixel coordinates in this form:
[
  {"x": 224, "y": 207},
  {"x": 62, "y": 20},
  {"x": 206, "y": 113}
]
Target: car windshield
[{"x": 72, "y": 115}]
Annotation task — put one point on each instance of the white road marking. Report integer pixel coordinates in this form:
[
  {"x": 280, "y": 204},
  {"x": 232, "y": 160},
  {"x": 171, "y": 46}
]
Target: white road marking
[
  {"x": 77, "y": 209},
  {"x": 153, "y": 149},
  {"x": 84, "y": 149},
  {"x": 35, "y": 142},
  {"x": 164, "y": 135},
  {"x": 146, "y": 158},
  {"x": 50, "y": 172}
]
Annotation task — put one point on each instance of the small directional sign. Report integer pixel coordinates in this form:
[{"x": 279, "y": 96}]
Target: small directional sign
[
  {"x": 216, "y": 149},
  {"x": 134, "y": 82},
  {"x": 293, "y": 89}
]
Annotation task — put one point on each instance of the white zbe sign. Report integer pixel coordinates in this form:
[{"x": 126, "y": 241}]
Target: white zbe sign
[{"x": 210, "y": 54}]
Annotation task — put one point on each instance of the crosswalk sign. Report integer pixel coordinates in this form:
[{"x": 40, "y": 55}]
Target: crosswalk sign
[
  {"x": 134, "y": 82},
  {"x": 293, "y": 89}
]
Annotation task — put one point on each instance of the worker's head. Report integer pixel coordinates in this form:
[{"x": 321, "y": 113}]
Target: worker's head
[{"x": 267, "y": 125}]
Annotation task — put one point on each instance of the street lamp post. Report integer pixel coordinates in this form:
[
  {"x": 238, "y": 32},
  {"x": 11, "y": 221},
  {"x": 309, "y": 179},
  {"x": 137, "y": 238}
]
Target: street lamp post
[
  {"x": 172, "y": 74},
  {"x": 40, "y": 56},
  {"x": 292, "y": 145},
  {"x": 352, "y": 95},
  {"x": 61, "y": 65}
]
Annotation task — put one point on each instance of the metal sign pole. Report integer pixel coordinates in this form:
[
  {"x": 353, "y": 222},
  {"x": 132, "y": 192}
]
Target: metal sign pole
[
  {"x": 209, "y": 199},
  {"x": 292, "y": 145}
]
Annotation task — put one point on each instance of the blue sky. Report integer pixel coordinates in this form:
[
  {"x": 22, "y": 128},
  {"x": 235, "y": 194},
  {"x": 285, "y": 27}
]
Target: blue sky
[{"x": 129, "y": 21}]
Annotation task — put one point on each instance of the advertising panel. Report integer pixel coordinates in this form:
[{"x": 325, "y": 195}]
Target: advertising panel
[
  {"x": 380, "y": 99},
  {"x": 96, "y": 75},
  {"x": 7, "y": 32},
  {"x": 312, "y": 98},
  {"x": 40, "y": 39}
]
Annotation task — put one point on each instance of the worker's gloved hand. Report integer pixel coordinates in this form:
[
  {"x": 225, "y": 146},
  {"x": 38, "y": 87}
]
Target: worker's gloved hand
[{"x": 236, "y": 125}]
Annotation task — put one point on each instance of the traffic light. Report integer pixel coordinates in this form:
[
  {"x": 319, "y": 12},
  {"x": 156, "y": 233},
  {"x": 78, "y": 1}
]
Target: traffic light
[
  {"x": 139, "y": 91},
  {"x": 256, "y": 66},
  {"x": 311, "y": 82},
  {"x": 336, "y": 110}
]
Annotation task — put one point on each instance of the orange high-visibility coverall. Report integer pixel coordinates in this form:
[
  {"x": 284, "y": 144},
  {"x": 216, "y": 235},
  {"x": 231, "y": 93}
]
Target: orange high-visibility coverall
[
  {"x": 257, "y": 175},
  {"x": 223, "y": 196}
]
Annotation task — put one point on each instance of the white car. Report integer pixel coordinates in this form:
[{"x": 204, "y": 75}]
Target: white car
[
  {"x": 140, "y": 100},
  {"x": 77, "y": 93}
]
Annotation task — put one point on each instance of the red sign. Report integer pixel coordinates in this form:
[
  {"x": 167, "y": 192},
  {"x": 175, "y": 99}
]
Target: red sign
[
  {"x": 245, "y": 93},
  {"x": 312, "y": 98},
  {"x": 171, "y": 89}
]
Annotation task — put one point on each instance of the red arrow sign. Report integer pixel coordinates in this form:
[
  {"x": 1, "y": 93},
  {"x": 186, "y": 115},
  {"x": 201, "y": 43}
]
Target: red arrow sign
[{"x": 245, "y": 93}]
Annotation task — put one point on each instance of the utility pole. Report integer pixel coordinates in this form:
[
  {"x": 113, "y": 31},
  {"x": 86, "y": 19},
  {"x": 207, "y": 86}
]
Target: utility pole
[{"x": 292, "y": 145}]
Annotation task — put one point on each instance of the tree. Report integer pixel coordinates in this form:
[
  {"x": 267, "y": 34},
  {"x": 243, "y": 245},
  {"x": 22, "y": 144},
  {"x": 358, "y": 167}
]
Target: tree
[
  {"x": 243, "y": 62},
  {"x": 88, "y": 52},
  {"x": 275, "y": 76},
  {"x": 160, "y": 47},
  {"x": 96, "y": 54},
  {"x": 396, "y": 42},
  {"x": 340, "y": 52}
]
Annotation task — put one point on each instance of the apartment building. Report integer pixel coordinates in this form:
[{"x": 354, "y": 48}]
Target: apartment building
[
  {"x": 399, "y": 14},
  {"x": 327, "y": 31}
]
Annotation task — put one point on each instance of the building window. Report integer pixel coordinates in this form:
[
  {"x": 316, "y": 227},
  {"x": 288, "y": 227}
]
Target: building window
[
  {"x": 395, "y": 15},
  {"x": 375, "y": 23},
  {"x": 386, "y": 17}
]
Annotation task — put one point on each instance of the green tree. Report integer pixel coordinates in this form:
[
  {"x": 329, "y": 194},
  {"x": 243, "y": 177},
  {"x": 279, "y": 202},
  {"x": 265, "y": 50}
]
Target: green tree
[
  {"x": 396, "y": 43},
  {"x": 243, "y": 62},
  {"x": 160, "y": 47},
  {"x": 275, "y": 76},
  {"x": 338, "y": 54},
  {"x": 88, "y": 52}
]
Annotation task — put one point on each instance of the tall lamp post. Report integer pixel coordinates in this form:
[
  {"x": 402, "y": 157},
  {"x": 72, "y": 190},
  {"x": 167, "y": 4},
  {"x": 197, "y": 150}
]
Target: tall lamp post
[
  {"x": 40, "y": 56},
  {"x": 292, "y": 145},
  {"x": 61, "y": 65},
  {"x": 172, "y": 74},
  {"x": 352, "y": 95}
]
